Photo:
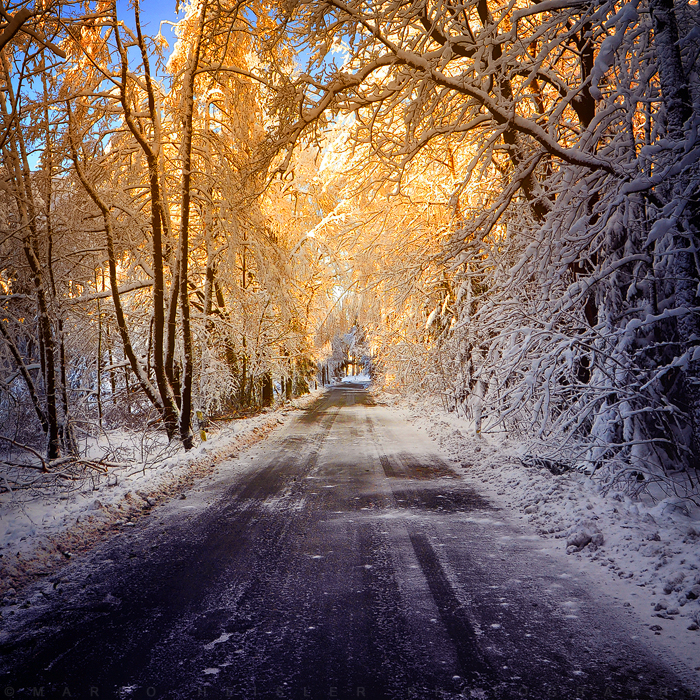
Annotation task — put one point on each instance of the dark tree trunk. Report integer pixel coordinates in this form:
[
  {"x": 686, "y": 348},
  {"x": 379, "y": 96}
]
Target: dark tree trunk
[
  {"x": 47, "y": 343},
  {"x": 244, "y": 380},
  {"x": 183, "y": 256},
  {"x": 168, "y": 405},
  {"x": 267, "y": 390}
]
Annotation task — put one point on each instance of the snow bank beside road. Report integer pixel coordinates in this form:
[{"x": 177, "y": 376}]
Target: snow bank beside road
[
  {"x": 41, "y": 529},
  {"x": 651, "y": 548}
]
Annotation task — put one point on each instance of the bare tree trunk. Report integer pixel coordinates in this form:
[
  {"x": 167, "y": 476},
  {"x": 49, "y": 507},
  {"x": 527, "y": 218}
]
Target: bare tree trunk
[
  {"x": 244, "y": 376},
  {"x": 167, "y": 401},
  {"x": 53, "y": 449},
  {"x": 22, "y": 367},
  {"x": 674, "y": 83},
  {"x": 136, "y": 367},
  {"x": 20, "y": 176},
  {"x": 183, "y": 255},
  {"x": 98, "y": 368},
  {"x": 208, "y": 231},
  {"x": 209, "y": 288},
  {"x": 267, "y": 390}
]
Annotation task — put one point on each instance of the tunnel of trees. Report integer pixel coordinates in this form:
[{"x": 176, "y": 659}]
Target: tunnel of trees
[{"x": 500, "y": 199}]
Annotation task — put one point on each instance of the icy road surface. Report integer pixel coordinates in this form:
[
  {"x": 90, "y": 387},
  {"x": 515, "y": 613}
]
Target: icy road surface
[{"x": 347, "y": 560}]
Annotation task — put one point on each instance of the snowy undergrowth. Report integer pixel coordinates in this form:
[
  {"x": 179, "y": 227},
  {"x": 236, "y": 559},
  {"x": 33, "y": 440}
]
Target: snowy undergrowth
[
  {"x": 42, "y": 528},
  {"x": 653, "y": 545}
]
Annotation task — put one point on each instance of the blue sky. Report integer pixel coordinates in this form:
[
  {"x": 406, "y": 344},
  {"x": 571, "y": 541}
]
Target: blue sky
[{"x": 152, "y": 13}]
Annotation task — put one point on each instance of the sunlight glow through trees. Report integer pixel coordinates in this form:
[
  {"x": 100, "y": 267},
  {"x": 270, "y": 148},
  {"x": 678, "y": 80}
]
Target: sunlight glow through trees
[{"x": 503, "y": 198}]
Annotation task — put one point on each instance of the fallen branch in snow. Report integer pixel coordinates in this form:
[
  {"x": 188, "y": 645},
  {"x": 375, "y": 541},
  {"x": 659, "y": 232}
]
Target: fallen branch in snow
[
  {"x": 555, "y": 466},
  {"x": 14, "y": 443},
  {"x": 50, "y": 466}
]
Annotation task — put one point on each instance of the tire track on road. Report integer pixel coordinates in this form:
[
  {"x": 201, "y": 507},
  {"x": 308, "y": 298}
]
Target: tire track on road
[{"x": 473, "y": 666}]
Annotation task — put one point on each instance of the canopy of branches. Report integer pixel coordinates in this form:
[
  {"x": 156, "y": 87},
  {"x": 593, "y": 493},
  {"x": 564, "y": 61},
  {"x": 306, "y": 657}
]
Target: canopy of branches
[{"x": 502, "y": 196}]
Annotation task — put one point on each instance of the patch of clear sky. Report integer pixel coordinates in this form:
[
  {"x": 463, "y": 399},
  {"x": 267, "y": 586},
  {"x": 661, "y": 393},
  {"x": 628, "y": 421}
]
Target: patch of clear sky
[{"x": 156, "y": 15}]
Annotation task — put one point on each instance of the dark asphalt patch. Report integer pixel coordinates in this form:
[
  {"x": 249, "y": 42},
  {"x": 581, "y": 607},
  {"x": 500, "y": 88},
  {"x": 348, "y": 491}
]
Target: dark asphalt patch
[
  {"x": 429, "y": 468},
  {"x": 386, "y": 466},
  {"x": 463, "y": 500}
]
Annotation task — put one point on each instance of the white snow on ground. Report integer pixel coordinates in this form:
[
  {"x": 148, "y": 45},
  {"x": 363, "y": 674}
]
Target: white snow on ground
[
  {"x": 42, "y": 527},
  {"x": 357, "y": 379},
  {"x": 644, "y": 553}
]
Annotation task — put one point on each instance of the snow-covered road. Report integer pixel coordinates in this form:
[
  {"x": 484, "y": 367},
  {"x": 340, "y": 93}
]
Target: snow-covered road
[{"x": 347, "y": 560}]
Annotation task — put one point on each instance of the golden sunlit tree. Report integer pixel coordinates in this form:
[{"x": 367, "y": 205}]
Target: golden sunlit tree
[{"x": 569, "y": 308}]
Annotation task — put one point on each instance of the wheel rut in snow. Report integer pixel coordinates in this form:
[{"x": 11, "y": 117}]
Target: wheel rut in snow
[{"x": 452, "y": 613}]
